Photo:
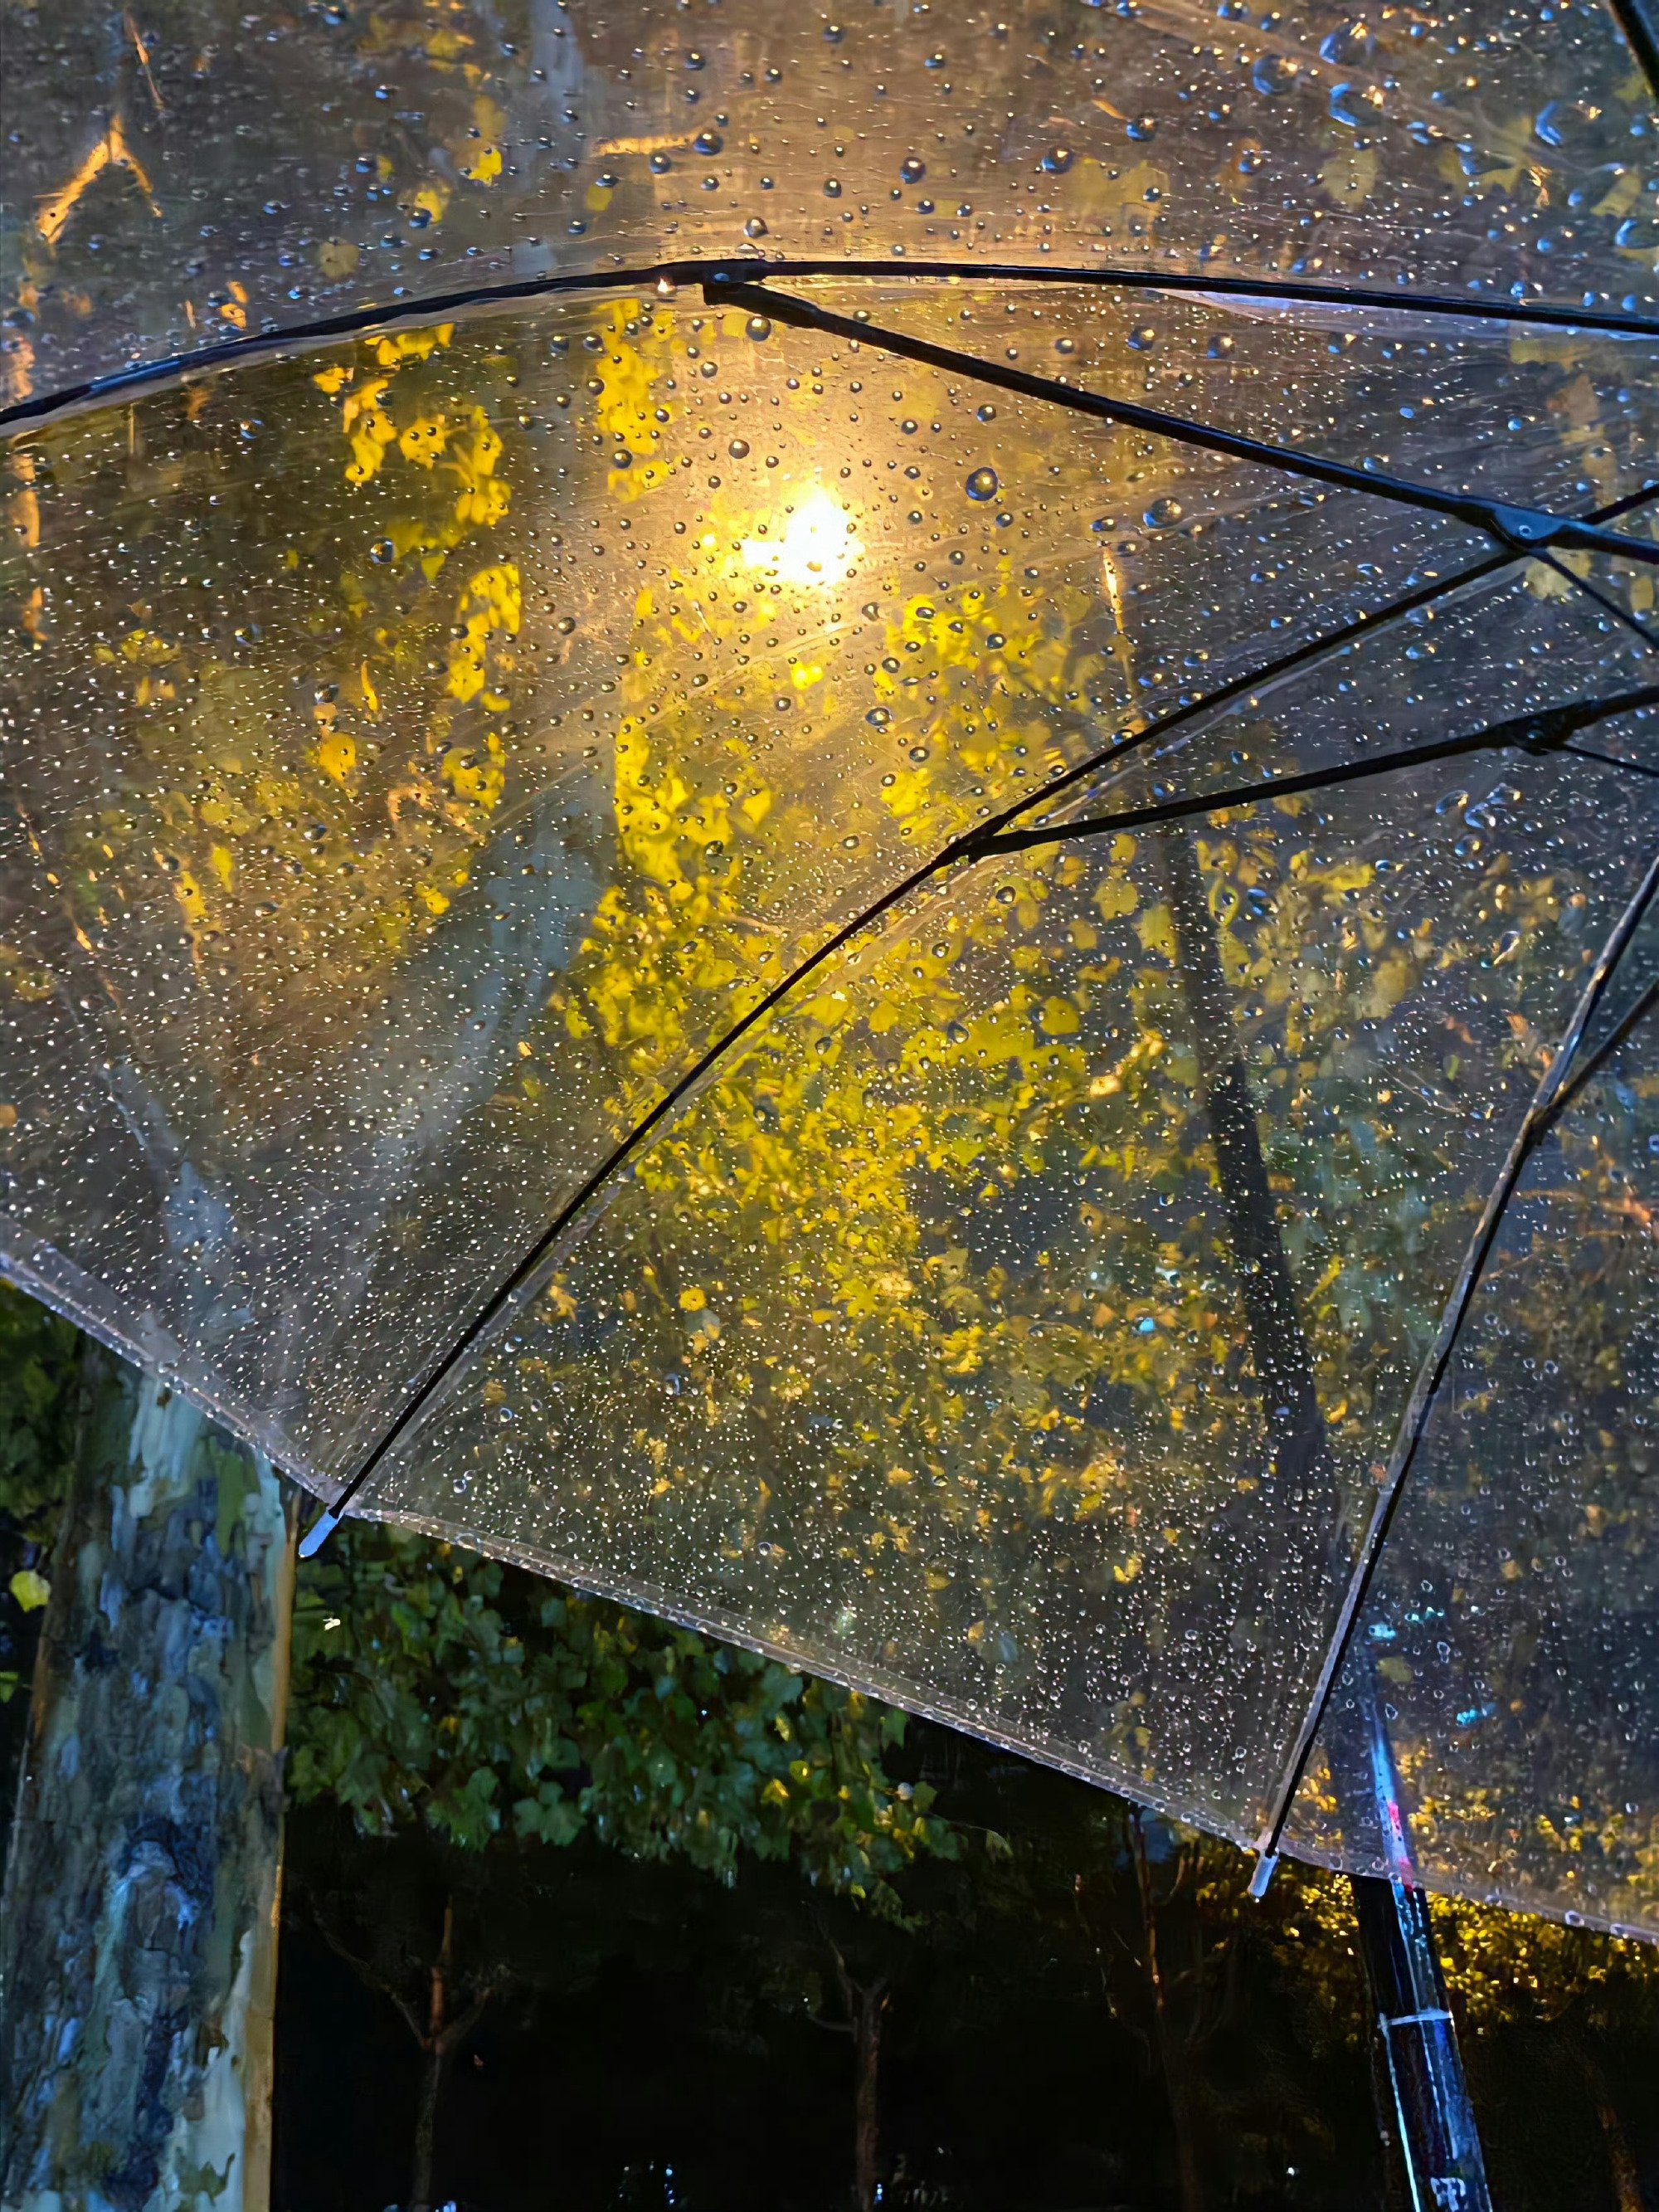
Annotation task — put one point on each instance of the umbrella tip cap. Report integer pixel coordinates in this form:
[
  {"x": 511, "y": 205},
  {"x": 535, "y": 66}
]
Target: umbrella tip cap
[
  {"x": 1267, "y": 1866},
  {"x": 319, "y": 1533}
]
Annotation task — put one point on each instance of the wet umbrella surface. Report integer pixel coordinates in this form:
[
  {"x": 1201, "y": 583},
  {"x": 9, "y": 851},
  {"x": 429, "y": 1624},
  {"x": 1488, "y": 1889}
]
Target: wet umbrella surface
[{"x": 850, "y": 825}]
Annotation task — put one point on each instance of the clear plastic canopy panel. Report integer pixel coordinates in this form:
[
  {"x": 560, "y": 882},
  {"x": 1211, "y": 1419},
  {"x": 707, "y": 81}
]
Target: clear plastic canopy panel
[{"x": 509, "y": 989}]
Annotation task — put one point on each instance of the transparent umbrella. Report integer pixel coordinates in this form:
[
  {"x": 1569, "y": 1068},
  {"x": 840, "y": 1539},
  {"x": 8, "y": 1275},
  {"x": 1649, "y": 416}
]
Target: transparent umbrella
[{"x": 850, "y": 825}]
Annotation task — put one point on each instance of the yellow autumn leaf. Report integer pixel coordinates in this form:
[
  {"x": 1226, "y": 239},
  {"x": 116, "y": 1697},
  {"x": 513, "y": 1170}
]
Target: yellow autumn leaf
[
  {"x": 337, "y": 756},
  {"x": 423, "y": 440},
  {"x": 29, "y": 1590},
  {"x": 1116, "y": 897}
]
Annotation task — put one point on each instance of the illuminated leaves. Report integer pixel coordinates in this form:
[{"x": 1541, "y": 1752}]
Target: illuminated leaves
[{"x": 491, "y": 606}]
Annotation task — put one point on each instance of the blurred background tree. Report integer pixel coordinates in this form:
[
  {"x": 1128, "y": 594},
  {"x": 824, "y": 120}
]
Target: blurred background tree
[{"x": 440, "y": 1691}]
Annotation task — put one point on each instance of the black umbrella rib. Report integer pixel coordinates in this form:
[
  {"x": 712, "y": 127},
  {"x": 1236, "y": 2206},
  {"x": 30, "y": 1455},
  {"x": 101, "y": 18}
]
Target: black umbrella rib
[
  {"x": 1611, "y": 760},
  {"x": 1548, "y": 1102},
  {"x": 1518, "y": 529},
  {"x": 1112, "y": 276},
  {"x": 1639, "y": 21},
  {"x": 1616, "y": 1039},
  {"x": 1605, "y": 600},
  {"x": 1543, "y": 734},
  {"x": 435, "y": 307}
]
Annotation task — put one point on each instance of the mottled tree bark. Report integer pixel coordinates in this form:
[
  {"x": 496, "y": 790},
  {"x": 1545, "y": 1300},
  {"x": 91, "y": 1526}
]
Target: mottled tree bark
[
  {"x": 1174, "y": 2059},
  {"x": 137, "y": 1953}
]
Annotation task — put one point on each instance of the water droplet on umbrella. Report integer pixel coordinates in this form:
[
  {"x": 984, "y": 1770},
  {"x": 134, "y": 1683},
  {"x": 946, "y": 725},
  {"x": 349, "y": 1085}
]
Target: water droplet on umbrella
[
  {"x": 757, "y": 327},
  {"x": 383, "y": 549},
  {"x": 738, "y": 448},
  {"x": 1272, "y": 75},
  {"x": 987, "y": 413},
  {"x": 1057, "y": 160},
  {"x": 913, "y": 171},
  {"x": 983, "y": 483},
  {"x": 1351, "y": 42},
  {"x": 707, "y": 142},
  {"x": 660, "y": 165},
  {"x": 1163, "y": 513},
  {"x": 756, "y": 228},
  {"x": 1547, "y": 126}
]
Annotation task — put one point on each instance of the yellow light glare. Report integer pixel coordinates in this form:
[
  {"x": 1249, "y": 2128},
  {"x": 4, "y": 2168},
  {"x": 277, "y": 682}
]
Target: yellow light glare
[{"x": 818, "y": 545}]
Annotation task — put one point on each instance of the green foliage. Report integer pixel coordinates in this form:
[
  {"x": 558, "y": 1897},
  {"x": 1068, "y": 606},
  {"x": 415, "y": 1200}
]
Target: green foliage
[
  {"x": 38, "y": 1361},
  {"x": 39, "y": 1364},
  {"x": 436, "y": 1687}
]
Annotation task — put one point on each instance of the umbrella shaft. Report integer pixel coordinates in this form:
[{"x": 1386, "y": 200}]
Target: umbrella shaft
[{"x": 1438, "y": 2139}]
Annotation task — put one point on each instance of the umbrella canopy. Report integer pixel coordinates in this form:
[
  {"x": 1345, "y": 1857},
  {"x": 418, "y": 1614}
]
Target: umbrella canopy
[{"x": 848, "y": 822}]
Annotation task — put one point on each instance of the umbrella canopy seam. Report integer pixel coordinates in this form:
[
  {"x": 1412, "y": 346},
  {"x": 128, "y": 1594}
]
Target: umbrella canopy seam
[{"x": 44, "y": 408}]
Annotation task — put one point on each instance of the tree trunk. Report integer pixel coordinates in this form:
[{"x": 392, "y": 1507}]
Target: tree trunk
[
  {"x": 869, "y": 2009},
  {"x": 421, "y": 2194},
  {"x": 1171, "y": 2052},
  {"x": 437, "y": 2043},
  {"x": 137, "y": 1955},
  {"x": 1622, "y": 2170}
]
